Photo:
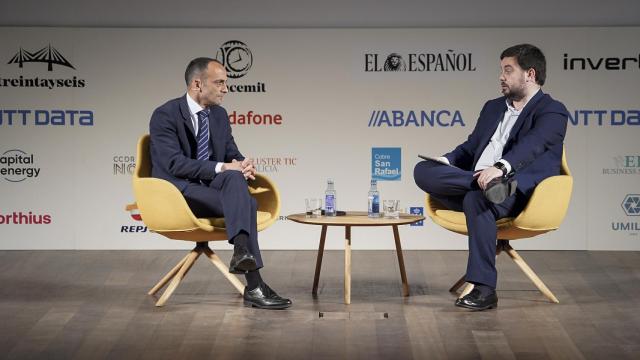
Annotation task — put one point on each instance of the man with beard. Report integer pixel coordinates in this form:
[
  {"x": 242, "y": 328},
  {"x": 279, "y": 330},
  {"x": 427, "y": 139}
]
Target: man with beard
[{"x": 516, "y": 143}]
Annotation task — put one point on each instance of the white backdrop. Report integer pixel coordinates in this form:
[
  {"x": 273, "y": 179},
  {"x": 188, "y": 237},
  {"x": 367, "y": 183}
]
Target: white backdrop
[{"x": 317, "y": 81}]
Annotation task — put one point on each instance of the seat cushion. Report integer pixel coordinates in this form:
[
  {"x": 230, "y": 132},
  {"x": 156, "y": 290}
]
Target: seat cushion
[
  {"x": 458, "y": 218},
  {"x": 263, "y": 217}
]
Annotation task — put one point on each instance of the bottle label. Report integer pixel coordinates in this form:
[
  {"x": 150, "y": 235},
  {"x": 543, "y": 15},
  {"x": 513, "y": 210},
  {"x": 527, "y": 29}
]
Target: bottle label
[
  {"x": 330, "y": 205},
  {"x": 375, "y": 204}
]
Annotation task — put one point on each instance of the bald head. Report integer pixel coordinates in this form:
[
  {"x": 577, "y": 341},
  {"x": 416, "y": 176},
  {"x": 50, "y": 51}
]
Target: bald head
[
  {"x": 197, "y": 69},
  {"x": 206, "y": 81}
]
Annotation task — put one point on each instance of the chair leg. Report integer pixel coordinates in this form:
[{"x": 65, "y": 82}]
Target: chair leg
[
  {"x": 191, "y": 258},
  {"x": 168, "y": 277},
  {"x": 467, "y": 289},
  {"x": 215, "y": 260},
  {"x": 530, "y": 274},
  {"x": 458, "y": 284},
  {"x": 500, "y": 246}
]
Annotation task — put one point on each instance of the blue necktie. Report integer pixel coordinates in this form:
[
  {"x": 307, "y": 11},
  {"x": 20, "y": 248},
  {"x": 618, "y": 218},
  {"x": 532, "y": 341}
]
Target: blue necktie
[{"x": 203, "y": 135}]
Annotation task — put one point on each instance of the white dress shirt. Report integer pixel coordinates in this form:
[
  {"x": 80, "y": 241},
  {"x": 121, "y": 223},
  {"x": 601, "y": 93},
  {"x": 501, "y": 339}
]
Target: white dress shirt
[
  {"x": 492, "y": 153},
  {"x": 194, "y": 109}
]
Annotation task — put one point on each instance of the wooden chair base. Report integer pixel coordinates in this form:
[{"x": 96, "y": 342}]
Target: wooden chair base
[
  {"x": 503, "y": 245},
  {"x": 179, "y": 271}
]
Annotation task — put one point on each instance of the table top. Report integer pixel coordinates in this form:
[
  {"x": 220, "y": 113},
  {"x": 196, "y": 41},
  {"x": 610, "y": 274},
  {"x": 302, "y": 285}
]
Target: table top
[{"x": 354, "y": 218}]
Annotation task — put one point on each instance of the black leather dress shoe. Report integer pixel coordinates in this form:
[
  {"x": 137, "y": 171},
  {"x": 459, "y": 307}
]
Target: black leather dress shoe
[
  {"x": 475, "y": 301},
  {"x": 242, "y": 261},
  {"x": 263, "y": 297},
  {"x": 500, "y": 188}
]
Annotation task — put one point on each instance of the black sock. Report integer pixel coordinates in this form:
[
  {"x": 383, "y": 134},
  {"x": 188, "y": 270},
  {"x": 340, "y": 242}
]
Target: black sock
[
  {"x": 242, "y": 239},
  {"x": 253, "y": 279},
  {"x": 485, "y": 290}
]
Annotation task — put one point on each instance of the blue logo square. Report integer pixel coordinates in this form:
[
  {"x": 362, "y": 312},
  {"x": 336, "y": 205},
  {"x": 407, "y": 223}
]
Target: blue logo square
[
  {"x": 417, "y": 210},
  {"x": 386, "y": 164}
]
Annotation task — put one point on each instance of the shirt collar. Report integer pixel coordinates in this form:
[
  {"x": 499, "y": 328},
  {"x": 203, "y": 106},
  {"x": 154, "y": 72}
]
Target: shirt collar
[
  {"x": 510, "y": 107},
  {"x": 194, "y": 107}
]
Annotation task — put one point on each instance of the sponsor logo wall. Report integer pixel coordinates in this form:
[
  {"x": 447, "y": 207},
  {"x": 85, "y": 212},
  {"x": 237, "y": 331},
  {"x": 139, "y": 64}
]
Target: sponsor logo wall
[
  {"x": 449, "y": 60},
  {"x": 306, "y": 105},
  {"x": 629, "y": 225},
  {"x": 124, "y": 165},
  {"x": 17, "y": 165},
  {"x": 25, "y": 218},
  {"x": 386, "y": 164}
]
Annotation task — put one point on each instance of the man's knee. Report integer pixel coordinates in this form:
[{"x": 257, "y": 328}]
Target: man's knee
[
  {"x": 420, "y": 168},
  {"x": 235, "y": 183},
  {"x": 421, "y": 173},
  {"x": 233, "y": 177},
  {"x": 427, "y": 175}
]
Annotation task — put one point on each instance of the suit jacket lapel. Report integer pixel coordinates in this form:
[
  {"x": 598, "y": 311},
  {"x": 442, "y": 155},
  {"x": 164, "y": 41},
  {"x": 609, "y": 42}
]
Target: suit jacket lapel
[
  {"x": 525, "y": 114},
  {"x": 484, "y": 141},
  {"x": 186, "y": 114}
]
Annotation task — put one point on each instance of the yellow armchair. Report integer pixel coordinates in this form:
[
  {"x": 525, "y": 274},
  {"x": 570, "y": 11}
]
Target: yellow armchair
[
  {"x": 544, "y": 212},
  {"x": 165, "y": 211}
]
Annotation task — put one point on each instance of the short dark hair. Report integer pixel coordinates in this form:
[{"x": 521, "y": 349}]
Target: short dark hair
[
  {"x": 528, "y": 57},
  {"x": 196, "y": 67}
]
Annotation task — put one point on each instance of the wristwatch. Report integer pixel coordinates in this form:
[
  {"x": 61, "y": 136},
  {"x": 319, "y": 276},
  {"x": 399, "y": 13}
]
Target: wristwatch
[{"x": 500, "y": 166}]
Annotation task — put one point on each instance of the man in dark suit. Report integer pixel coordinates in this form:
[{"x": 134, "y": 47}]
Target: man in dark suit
[
  {"x": 193, "y": 148},
  {"x": 516, "y": 143}
]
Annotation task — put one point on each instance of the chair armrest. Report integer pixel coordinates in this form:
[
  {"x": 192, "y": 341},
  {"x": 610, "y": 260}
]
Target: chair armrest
[
  {"x": 268, "y": 197},
  {"x": 258, "y": 190},
  {"x": 163, "y": 208},
  {"x": 548, "y": 204},
  {"x": 431, "y": 205}
]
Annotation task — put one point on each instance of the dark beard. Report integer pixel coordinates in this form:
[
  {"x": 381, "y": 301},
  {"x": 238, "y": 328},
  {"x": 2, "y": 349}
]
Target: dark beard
[{"x": 514, "y": 94}]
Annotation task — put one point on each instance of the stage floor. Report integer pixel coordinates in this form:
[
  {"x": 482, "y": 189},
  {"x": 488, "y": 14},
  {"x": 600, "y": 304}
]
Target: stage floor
[{"x": 93, "y": 304}]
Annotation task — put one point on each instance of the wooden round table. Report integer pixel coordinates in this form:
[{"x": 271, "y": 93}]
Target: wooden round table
[{"x": 355, "y": 218}]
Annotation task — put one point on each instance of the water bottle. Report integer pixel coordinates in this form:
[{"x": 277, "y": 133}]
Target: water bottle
[
  {"x": 374, "y": 200},
  {"x": 330, "y": 199}
]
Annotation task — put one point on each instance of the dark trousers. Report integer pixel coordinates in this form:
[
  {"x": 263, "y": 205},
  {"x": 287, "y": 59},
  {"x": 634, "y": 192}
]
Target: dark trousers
[
  {"x": 458, "y": 190},
  {"x": 227, "y": 196}
]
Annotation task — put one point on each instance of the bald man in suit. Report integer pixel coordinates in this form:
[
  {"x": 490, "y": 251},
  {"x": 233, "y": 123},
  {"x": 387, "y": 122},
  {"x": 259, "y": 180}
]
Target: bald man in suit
[{"x": 192, "y": 147}]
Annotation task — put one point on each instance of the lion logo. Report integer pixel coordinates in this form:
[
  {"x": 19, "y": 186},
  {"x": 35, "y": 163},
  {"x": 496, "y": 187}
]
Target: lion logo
[{"x": 394, "y": 62}]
